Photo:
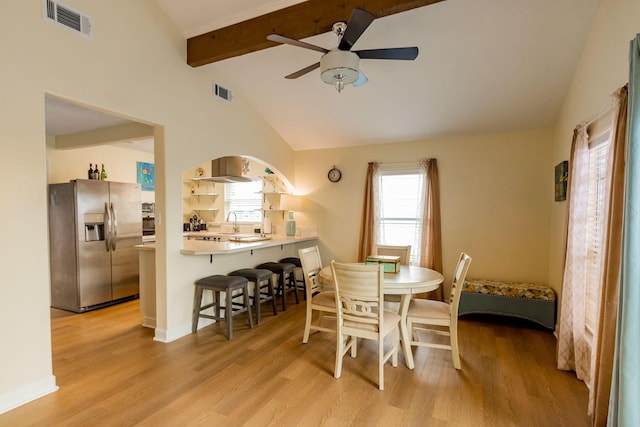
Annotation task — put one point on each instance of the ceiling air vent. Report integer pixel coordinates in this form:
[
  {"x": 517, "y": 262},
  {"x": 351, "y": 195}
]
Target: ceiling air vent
[
  {"x": 65, "y": 16},
  {"x": 221, "y": 92}
]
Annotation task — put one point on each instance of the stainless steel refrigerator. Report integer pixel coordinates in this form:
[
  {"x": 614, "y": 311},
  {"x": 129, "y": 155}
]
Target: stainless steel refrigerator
[{"x": 93, "y": 228}]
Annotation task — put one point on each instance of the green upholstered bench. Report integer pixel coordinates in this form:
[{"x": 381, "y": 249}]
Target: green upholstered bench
[{"x": 530, "y": 301}]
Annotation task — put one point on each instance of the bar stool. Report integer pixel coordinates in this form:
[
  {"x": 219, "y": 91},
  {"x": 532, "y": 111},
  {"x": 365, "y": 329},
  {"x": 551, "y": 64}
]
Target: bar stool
[
  {"x": 299, "y": 275},
  {"x": 219, "y": 283},
  {"x": 263, "y": 291},
  {"x": 286, "y": 279}
]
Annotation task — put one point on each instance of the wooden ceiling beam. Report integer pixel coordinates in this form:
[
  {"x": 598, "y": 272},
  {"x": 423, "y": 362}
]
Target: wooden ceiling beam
[{"x": 299, "y": 21}]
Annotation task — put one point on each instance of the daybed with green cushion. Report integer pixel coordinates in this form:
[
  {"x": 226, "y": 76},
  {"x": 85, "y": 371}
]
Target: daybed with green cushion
[{"x": 530, "y": 301}]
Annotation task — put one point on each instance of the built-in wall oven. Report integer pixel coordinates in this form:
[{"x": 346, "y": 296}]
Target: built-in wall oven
[{"x": 148, "y": 219}]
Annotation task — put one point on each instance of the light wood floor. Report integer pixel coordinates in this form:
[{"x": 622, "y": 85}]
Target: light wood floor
[{"x": 110, "y": 372}]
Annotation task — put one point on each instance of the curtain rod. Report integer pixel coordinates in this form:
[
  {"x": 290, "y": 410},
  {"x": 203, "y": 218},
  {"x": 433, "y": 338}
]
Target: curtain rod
[
  {"x": 600, "y": 115},
  {"x": 412, "y": 162}
]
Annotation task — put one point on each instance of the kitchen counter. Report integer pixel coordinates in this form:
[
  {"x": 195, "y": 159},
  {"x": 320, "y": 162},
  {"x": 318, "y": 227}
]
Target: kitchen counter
[
  {"x": 229, "y": 256},
  {"x": 209, "y": 247}
]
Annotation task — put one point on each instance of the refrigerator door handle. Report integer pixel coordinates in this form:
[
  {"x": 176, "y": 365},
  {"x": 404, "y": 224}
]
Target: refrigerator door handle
[
  {"x": 114, "y": 235},
  {"x": 107, "y": 214}
]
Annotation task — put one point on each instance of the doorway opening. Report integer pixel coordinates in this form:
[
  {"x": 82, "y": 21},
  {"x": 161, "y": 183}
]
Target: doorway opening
[{"x": 78, "y": 135}]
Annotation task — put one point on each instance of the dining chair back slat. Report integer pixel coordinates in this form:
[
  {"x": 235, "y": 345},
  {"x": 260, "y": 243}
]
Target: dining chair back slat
[
  {"x": 439, "y": 318},
  {"x": 318, "y": 299},
  {"x": 360, "y": 311}
]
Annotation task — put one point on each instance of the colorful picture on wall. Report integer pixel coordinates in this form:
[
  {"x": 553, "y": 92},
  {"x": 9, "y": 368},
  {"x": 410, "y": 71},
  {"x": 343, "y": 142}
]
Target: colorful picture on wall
[
  {"x": 146, "y": 177},
  {"x": 562, "y": 175}
]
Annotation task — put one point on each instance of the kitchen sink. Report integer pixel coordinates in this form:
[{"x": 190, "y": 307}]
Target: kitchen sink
[{"x": 247, "y": 238}]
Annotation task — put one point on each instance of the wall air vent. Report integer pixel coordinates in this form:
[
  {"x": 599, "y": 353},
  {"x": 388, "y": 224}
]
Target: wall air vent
[
  {"x": 61, "y": 14},
  {"x": 221, "y": 92}
]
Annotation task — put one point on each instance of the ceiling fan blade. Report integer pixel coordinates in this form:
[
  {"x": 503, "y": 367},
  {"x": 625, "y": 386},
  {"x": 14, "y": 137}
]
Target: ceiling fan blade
[
  {"x": 403, "y": 53},
  {"x": 286, "y": 40},
  {"x": 362, "y": 79},
  {"x": 303, "y": 71},
  {"x": 358, "y": 22}
]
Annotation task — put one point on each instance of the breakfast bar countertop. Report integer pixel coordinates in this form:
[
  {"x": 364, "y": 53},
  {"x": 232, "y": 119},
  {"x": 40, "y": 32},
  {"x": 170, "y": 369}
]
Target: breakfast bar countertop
[{"x": 210, "y": 247}]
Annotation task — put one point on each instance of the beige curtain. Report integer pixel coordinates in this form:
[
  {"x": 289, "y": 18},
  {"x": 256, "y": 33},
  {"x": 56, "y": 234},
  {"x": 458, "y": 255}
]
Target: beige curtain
[
  {"x": 431, "y": 251},
  {"x": 594, "y": 367},
  {"x": 572, "y": 344},
  {"x": 368, "y": 226},
  {"x": 602, "y": 359}
]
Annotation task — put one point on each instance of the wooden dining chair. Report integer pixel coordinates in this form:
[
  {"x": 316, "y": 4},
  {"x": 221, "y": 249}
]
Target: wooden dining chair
[
  {"x": 440, "y": 318},
  {"x": 404, "y": 252},
  {"x": 361, "y": 314},
  {"x": 317, "y": 299}
]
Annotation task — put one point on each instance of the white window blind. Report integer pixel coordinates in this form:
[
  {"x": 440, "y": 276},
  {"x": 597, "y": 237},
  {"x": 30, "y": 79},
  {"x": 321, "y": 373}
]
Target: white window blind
[
  {"x": 399, "y": 209},
  {"x": 596, "y": 222},
  {"x": 245, "y": 199}
]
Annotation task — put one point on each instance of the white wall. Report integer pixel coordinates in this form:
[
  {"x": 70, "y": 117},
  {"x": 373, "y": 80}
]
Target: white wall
[
  {"x": 120, "y": 164},
  {"x": 603, "y": 68},
  {"x": 135, "y": 67},
  {"x": 495, "y": 190}
]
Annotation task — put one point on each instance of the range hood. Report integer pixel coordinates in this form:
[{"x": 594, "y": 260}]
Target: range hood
[{"x": 229, "y": 169}]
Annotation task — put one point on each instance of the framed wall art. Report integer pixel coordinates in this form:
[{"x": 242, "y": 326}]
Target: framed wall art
[
  {"x": 146, "y": 177},
  {"x": 561, "y": 178}
]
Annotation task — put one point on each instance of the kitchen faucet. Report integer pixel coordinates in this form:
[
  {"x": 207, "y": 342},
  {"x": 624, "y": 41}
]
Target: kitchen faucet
[{"x": 235, "y": 221}]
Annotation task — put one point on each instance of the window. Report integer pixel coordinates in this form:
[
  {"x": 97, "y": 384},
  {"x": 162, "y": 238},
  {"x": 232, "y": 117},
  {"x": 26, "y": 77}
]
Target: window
[
  {"x": 596, "y": 217},
  {"x": 399, "y": 209},
  {"x": 245, "y": 199}
]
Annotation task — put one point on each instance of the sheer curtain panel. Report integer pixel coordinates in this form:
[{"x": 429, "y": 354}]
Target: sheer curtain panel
[{"x": 572, "y": 339}]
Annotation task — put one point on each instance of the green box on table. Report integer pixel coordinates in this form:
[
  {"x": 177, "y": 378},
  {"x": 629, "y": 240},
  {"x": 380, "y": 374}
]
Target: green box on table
[{"x": 391, "y": 263}]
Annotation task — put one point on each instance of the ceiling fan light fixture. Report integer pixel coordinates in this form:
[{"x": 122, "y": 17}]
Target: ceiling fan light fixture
[{"x": 339, "y": 68}]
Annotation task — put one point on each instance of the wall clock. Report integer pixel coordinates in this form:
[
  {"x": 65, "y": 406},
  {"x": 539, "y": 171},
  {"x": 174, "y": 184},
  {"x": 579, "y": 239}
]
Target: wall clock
[{"x": 334, "y": 174}]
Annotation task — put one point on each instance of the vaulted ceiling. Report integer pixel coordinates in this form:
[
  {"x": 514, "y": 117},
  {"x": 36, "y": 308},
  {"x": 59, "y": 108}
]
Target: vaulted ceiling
[{"x": 484, "y": 66}]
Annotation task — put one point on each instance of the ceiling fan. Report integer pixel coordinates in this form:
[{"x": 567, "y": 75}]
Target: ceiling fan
[{"x": 340, "y": 66}]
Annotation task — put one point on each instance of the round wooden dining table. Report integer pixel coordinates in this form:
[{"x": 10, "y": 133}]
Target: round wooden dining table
[{"x": 410, "y": 280}]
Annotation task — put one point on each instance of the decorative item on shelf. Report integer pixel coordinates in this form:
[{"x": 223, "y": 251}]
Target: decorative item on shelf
[
  {"x": 198, "y": 172},
  {"x": 245, "y": 166},
  {"x": 268, "y": 171},
  {"x": 291, "y": 225},
  {"x": 291, "y": 203}
]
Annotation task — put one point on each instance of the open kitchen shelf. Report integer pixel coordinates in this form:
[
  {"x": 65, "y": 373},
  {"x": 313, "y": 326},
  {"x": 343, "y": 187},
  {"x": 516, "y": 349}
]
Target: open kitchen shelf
[
  {"x": 198, "y": 181},
  {"x": 199, "y": 195}
]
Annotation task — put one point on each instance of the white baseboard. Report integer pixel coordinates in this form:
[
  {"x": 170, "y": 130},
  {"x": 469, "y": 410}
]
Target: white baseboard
[
  {"x": 163, "y": 335},
  {"x": 27, "y": 393},
  {"x": 149, "y": 322}
]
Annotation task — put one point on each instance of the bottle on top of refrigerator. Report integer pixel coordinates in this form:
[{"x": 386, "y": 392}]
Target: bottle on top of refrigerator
[
  {"x": 103, "y": 173},
  {"x": 96, "y": 173},
  {"x": 90, "y": 173}
]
